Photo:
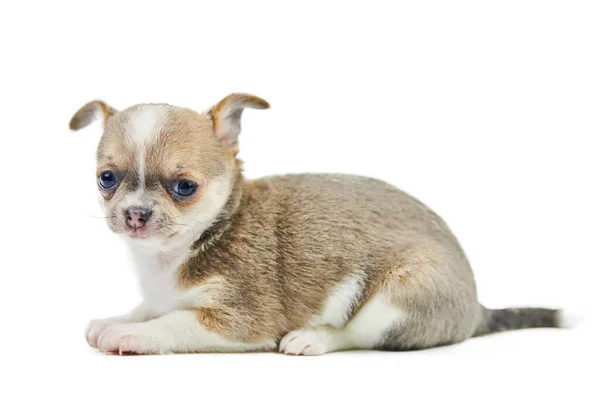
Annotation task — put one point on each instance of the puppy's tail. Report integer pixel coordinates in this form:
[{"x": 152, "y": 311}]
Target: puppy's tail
[{"x": 509, "y": 319}]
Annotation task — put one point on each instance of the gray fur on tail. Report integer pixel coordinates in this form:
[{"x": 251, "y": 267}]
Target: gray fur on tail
[{"x": 509, "y": 319}]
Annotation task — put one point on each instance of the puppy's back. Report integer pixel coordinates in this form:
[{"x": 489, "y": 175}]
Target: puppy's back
[{"x": 327, "y": 202}]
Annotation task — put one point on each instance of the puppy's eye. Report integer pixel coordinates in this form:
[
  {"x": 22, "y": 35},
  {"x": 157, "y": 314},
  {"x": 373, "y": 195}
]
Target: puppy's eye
[
  {"x": 185, "y": 187},
  {"x": 107, "y": 179}
]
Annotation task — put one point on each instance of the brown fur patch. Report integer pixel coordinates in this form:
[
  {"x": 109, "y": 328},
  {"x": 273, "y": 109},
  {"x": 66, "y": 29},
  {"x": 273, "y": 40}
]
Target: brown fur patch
[{"x": 214, "y": 320}]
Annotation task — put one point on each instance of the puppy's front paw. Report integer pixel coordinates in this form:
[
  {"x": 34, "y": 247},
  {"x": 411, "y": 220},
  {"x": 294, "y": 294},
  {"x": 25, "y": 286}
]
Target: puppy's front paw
[
  {"x": 128, "y": 339},
  {"x": 95, "y": 328},
  {"x": 305, "y": 342}
]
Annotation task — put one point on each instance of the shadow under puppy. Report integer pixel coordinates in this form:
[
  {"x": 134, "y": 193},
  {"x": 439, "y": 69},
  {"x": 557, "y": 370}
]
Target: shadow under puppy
[{"x": 309, "y": 263}]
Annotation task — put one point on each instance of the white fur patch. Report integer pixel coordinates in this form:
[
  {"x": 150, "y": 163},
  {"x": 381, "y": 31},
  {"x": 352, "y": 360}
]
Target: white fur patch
[
  {"x": 367, "y": 327},
  {"x": 569, "y": 320},
  {"x": 158, "y": 282},
  {"x": 340, "y": 302},
  {"x": 145, "y": 125}
]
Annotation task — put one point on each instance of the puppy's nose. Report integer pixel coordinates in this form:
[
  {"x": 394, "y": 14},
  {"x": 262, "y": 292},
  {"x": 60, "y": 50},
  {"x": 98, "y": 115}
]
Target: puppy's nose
[{"x": 136, "y": 217}]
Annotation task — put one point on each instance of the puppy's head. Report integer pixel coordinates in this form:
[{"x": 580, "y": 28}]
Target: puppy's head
[{"x": 162, "y": 171}]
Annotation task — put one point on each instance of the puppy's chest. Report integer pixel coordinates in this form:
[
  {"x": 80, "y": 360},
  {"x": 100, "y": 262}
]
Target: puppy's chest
[{"x": 159, "y": 280}]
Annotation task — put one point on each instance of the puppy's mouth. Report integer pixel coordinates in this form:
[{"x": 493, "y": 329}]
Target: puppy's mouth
[
  {"x": 142, "y": 229},
  {"x": 137, "y": 233}
]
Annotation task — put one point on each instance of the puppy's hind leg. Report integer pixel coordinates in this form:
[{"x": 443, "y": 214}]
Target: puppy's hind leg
[
  {"x": 364, "y": 331},
  {"x": 428, "y": 300},
  {"x": 438, "y": 300},
  {"x": 331, "y": 331}
]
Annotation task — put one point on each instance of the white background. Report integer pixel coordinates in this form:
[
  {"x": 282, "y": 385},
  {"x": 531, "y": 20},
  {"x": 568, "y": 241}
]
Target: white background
[{"x": 486, "y": 111}]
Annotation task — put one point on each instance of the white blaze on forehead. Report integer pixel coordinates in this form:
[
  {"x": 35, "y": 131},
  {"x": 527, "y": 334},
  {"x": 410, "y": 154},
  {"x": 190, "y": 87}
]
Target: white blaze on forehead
[{"x": 145, "y": 125}]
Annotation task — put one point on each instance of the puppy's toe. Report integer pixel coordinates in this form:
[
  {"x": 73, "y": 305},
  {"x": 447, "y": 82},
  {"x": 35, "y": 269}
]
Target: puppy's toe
[
  {"x": 305, "y": 342},
  {"x": 95, "y": 328},
  {"x": 127, "y": 339}
]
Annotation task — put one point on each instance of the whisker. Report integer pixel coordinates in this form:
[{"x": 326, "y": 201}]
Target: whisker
[
  {"x": 172, "y": 231},
  {"x": 174, "y": 223}
]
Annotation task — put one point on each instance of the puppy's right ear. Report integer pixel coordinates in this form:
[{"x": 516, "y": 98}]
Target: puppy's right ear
[{"x": 88, "y": 113}]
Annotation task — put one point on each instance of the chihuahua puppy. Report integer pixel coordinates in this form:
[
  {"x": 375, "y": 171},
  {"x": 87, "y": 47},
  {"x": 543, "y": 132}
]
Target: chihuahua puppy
[{"x": 308, "y": 264}]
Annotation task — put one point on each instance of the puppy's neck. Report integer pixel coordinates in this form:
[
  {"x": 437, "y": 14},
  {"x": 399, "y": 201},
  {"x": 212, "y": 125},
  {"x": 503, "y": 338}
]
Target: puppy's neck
[{"x": 224, "y": 220}]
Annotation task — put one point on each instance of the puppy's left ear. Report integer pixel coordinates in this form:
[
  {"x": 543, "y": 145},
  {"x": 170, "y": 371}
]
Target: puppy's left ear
[
  {"x": 88, "y": 113},
  {"x": 226, "y": 116}
]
